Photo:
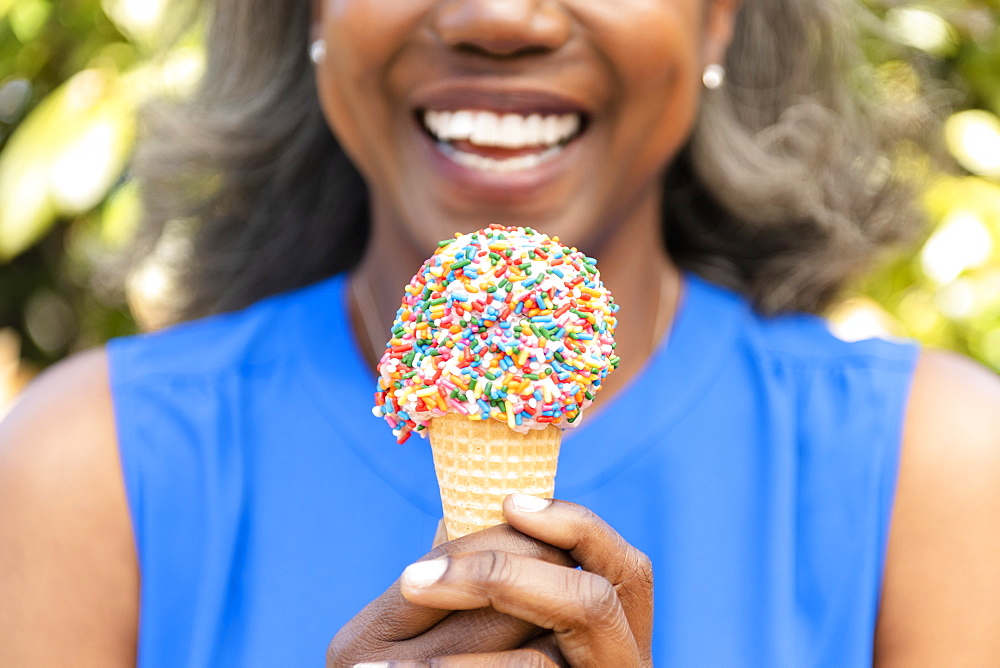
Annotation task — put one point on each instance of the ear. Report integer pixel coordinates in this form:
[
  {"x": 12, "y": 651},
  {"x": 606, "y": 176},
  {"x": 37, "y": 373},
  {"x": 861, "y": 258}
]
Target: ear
[{"x": 719, "y": 22}]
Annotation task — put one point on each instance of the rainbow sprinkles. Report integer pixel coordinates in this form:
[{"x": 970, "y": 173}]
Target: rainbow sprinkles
[{"x": 505, "y": 323}]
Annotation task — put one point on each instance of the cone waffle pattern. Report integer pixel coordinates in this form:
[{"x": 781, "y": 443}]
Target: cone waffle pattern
[{"x": 480, "y": 462}]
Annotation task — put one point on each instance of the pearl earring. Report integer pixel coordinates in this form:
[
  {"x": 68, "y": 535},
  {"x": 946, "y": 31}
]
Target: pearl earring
[
  {"x": 714, "y": 76},
  {"x": 317, "y": 51}
]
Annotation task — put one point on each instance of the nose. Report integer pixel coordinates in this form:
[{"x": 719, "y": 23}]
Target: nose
[{"x": 503, "y": 28}]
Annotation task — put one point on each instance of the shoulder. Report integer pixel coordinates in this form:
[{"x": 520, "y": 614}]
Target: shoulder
[
  {"x": 952, "y": 392},
  {"x": 943, "y": 562},
  {"x": 67, "y": 561},
  {"x": 62, "y": 422}
]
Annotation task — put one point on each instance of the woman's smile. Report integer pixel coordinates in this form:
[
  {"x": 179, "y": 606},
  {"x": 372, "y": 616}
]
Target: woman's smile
[
  {"x": 499, "y": 144},
  {"x": 488, "y": 141},
  {"x": 560, "y": 115}
]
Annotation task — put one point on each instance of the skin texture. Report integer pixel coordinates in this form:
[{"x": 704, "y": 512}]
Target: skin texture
[
  {"x": 940, "y": 604},
  {"x": 69, "y": 581}
]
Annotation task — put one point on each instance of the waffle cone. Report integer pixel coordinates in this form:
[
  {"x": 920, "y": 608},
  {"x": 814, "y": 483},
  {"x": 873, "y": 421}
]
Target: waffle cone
[{"x": 480, "y": 462}]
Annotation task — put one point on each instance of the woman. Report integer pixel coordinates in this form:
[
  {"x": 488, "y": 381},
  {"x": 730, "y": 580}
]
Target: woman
[{"x": 216, "y": 493}]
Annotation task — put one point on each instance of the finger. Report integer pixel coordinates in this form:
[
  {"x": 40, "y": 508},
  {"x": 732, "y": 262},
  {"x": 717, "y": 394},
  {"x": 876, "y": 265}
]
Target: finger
[
  {"x": 547, "y": 645},
  {"x": 518, "y": 658},
  {"x": 400, "y": 619},
  {"x": 581, "y": 608},
  {"x": 471, "y": 632},
  {"x": 391, "y": 619},
  {"x": 596, "y": 547}
]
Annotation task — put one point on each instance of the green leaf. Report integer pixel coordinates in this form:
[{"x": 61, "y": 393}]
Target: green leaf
[
  {"x": 64, "y": 158},
  {"x": 27, "y": 18},
  {"x": 5, "y": 7}
]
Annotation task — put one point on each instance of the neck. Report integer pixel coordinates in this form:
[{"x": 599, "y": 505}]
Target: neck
[{"x": 633, "y": 264}]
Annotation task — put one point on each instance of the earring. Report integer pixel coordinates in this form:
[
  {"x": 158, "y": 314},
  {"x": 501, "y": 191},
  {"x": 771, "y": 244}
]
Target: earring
[
  {"x": 714, "y": 76},
  {"x": 317, "y": 51}
]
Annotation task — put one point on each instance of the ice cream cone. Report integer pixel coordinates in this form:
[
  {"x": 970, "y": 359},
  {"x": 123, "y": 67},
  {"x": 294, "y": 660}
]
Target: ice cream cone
[
  {"x": 502, "y": 340},
  {"x": 480, "y": 462}
]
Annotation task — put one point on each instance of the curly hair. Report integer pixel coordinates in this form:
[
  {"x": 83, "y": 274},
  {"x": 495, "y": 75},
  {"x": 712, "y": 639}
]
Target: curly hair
[{"x": 782, "y": 192}]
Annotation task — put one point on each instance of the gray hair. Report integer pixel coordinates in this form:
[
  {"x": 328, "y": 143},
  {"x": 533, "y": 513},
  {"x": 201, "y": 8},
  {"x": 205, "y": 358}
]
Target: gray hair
[{"x": 782, "y": 192}]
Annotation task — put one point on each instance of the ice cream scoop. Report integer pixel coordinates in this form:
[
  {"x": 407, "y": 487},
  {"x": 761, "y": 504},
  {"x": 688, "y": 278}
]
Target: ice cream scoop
[{"x": 501, "y": 327}]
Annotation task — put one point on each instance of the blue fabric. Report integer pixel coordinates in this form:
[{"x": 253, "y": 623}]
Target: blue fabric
[{"x": 754, "y": 461}]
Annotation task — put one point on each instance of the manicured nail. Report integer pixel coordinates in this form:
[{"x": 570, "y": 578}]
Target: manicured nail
[
  {"x": 425, "y": 573},
  {"x": 381, "y": 664},
  {"x": 529, "y": 504}
]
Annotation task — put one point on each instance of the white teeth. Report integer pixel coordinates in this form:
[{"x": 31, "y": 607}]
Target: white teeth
[
  {"x": 485, "y": 128},
  {"x": 459, "y": 124},
  {"x": 533, "y": 127},
  {"x": 512, "y": 133},
  {"x": 551, "y": 129}
]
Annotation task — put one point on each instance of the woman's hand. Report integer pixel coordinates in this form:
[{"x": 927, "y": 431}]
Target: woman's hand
[{"x": 503, "y": 597}]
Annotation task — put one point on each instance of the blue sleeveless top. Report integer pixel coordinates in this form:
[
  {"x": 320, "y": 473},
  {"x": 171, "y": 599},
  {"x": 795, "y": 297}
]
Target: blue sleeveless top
[{"x": 754, "y": 460}]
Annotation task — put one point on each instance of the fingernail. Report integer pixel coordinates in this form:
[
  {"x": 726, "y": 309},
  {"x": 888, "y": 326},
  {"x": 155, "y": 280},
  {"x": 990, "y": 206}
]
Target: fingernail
[
  {"x": 381, "y": 664},
  {"x": 529, "y": 504},
  {"x": 424, "y": 573}
]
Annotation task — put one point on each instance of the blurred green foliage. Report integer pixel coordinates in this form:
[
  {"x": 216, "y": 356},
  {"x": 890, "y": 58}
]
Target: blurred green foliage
[
  {"x": 947, "y": 294},
  {"x": 74, "y": 72},
  {"x": 72, "y": 75}
]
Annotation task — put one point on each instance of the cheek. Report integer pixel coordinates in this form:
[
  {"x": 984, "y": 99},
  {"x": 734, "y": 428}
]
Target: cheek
[
  {"x": 363, "y": 39},
  {"x": 362, "y": 34},
  {"x": 654, "y": 53}
]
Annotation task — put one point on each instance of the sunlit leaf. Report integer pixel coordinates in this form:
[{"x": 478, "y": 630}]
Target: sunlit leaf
[
  {"x": 121, "y": 216},
  {"x": 961, "y": 242},
  {"x": 862, "y": 318},
  {"x": 967, "y": 193},
  {"x": 174, "y": 75},
  {"x": 64, "y": 157},
  {"x": 5, "y": 7},
  {"x": 26, "y": 210},
  {"x": 974, "y": 139},
  {"x": 963, "y": 299},
  {"x": 27, "y": 18},
  {"x": 922, "y": 29},
  {"x": 88, "y": 165},
  {"x": 140, "y": 19},
  {"x": 988, "y": 348},
  {"x": 922, "y": 317}
]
